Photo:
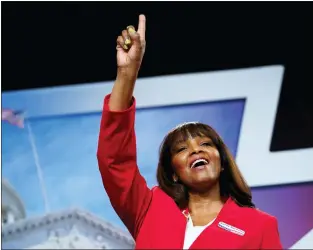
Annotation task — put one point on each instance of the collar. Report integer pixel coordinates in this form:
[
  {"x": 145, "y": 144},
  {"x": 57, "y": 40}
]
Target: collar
[{"x": 186, "y": 212}]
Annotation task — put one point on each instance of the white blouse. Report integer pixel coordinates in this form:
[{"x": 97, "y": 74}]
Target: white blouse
[{"x": 192, "y": 232}]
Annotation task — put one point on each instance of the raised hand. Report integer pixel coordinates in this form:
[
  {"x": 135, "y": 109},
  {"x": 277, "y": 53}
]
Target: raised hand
[{"x": 131, "y": 46}]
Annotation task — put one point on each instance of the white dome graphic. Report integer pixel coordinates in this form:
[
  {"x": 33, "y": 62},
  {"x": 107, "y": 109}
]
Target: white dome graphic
[{"x": 12, "y": 207}]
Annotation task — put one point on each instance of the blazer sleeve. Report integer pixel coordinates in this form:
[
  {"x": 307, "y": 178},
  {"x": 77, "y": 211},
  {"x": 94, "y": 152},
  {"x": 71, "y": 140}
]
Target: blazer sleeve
[
  {"x": 125, "y": 186},
  {"x": 271, "y": 238}
]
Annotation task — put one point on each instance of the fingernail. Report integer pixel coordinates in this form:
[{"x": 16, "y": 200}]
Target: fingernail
[
  {"x": 125, "y": 46},
  {"x": 131, "y": 29},
  {"x": 127, "y": 41}
]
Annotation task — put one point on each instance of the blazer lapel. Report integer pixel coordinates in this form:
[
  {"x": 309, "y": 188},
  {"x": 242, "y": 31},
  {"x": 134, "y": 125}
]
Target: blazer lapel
[{"x": 210, "y": 234}]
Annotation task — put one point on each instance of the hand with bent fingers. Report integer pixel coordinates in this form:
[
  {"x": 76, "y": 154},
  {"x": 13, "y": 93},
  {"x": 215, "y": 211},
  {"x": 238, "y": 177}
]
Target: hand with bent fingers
[{"x": 131, "y": 46}]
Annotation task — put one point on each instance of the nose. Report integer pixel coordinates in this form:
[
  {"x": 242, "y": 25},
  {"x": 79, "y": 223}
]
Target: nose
[{"x": 195, "y": 148}]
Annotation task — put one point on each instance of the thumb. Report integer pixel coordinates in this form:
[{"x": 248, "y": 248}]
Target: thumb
[{"x": 134, "y": 36}]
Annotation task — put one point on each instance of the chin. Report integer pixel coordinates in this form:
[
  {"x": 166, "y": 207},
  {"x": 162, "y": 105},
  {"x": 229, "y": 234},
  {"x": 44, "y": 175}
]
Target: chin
[{"x": 203, "y": 184}]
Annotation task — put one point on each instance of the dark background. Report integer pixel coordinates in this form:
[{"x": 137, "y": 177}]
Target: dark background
[{"x": 61, "y": 43}]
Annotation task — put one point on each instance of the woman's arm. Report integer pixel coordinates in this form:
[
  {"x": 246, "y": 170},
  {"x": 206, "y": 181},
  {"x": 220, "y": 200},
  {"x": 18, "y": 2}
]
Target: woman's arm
[
  {"x": 126, "y": 188},
  {"x": 117, "y": 156},
  {"x": 128, "y": 64},
  {"x": 271, "y": 238}
]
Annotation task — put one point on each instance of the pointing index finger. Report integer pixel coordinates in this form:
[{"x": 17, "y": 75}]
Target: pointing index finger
[{"x": 142, "y": 26}]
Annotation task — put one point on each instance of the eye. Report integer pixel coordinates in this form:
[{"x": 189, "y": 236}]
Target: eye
[
  {"x": 207, "y": 144},
  {"x": 180, "y": 149}
]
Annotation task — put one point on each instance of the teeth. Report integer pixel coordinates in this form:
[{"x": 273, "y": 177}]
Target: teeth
[{"x": 197, "y": 161}]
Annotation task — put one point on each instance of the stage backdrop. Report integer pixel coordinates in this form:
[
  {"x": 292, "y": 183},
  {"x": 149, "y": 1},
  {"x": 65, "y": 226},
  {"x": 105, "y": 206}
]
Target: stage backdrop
[{"x": 239, "y": 104}]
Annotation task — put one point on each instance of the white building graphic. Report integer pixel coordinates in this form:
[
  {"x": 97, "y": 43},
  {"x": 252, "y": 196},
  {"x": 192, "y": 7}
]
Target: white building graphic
[{"x": 68, "y": 229}]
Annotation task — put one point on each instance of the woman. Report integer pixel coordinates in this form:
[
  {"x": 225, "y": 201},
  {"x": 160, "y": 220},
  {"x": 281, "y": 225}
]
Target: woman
[{"x": 202, "y": 200}]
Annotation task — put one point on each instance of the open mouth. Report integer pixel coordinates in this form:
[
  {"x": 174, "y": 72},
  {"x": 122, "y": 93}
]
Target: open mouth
[{"x": 199, "y": 163}]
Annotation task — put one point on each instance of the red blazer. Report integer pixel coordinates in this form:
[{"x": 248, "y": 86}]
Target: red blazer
[{"x": 151, "y": 216}]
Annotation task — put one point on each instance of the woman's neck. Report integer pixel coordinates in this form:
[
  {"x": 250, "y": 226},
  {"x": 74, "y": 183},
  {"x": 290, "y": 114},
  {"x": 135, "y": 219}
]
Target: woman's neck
[{"x": 206, "y": 202}]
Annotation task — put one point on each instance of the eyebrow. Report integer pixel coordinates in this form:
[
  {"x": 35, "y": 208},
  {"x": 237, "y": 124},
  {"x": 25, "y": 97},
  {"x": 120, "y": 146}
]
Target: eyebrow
[{"x": 181, "y": 141}]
